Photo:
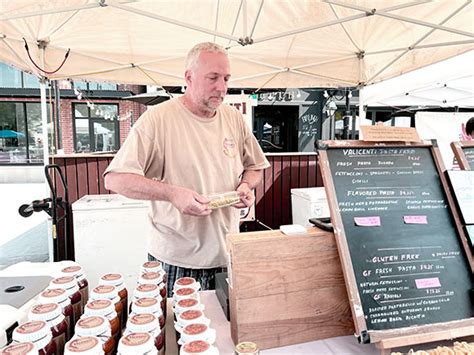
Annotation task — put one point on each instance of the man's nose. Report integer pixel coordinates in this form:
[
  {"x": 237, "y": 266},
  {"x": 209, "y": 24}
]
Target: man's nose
[{"x": 222, "y": 85}]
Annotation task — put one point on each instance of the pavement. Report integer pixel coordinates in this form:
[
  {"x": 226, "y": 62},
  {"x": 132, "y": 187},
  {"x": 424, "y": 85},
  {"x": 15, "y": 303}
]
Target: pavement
[{"x": 22, "y": 239}]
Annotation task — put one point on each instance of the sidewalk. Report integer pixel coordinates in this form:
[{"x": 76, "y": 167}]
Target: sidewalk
[{"x": 22, "y": 239}]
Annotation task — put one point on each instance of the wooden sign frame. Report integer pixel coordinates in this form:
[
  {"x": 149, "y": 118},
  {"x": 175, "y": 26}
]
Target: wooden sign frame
[
  {"x": 458, "y": 150},
  {"x": 405, "y": 336}
]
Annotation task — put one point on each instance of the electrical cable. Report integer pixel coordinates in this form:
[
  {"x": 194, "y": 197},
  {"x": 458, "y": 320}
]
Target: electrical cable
[{"x": 37, "y": 67}]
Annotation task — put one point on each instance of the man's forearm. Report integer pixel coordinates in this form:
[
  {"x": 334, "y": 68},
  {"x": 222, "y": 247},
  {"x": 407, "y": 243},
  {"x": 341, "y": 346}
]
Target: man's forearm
[
  {"x": 138, "y": 187},
  {"x": 252, "y": 177}
]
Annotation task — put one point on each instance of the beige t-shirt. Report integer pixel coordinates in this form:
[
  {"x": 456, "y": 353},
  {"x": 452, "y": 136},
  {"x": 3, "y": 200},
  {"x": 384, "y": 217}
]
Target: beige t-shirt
[{"x": 171, "y": 144}]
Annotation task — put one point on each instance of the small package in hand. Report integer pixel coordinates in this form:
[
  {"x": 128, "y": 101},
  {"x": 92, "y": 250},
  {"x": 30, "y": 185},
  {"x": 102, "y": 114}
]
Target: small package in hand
[{"x": 223, "y": 200}]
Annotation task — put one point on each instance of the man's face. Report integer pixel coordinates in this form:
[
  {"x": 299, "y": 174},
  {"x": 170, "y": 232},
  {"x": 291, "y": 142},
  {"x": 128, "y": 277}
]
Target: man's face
[{"x": 207, "y": 81}]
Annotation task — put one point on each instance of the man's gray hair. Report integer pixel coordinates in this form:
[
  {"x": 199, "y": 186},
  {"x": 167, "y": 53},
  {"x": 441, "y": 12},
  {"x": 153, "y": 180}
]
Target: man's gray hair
[{"x": 193, "y": 54}]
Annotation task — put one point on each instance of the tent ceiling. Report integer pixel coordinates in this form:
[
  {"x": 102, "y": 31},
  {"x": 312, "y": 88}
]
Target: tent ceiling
[{"x": 279, "y": 43}]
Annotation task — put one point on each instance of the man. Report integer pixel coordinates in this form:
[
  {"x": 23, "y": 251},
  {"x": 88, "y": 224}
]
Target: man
[
  {"x": 178, "y": 153},
  {"x": 469, "y": 129}
]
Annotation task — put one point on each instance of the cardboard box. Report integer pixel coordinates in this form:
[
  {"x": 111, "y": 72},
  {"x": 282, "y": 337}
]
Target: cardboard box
[{"x": 286, "y": 289}]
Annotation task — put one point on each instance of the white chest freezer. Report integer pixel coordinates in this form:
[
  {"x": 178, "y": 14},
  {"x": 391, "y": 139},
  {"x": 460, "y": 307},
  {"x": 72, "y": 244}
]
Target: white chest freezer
[
  {"x": 110, "y": 236},
  {"x": 306, "y": 203}
]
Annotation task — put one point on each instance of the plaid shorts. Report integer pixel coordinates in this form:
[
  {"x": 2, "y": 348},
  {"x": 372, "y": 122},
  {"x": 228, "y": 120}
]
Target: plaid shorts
[{"x": 206, "y": 277}]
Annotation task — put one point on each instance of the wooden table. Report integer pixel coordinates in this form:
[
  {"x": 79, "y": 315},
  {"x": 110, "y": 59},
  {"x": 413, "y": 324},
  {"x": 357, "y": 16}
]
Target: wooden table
[{"x": 340, "y": 345}]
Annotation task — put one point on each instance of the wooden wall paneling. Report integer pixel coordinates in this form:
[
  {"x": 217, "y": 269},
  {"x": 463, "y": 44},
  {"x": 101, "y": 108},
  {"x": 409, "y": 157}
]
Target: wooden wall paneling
[
  {"x": 102, "y": 164},
  {"x": 286, "y": 190},
  {"x": 267, "y": 218},
  {"x": 71, "y": 179},
  {"x": 82, "y": 177},
  {"x": 93, "y": 176},
  {"x": 277, "y": 193}
]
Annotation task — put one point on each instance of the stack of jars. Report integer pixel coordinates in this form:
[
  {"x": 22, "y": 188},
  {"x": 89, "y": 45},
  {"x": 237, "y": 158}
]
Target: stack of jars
[
  {"x": 193, "y": 334},
  {"x": 147, "y": 313},
  {"x": 51, "y": 320}
]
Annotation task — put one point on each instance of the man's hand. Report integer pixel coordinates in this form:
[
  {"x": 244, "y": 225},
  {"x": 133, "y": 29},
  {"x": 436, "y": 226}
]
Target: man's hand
[
  {"x": 247, "y": 197},
  {"x": 189, "y": 202}
]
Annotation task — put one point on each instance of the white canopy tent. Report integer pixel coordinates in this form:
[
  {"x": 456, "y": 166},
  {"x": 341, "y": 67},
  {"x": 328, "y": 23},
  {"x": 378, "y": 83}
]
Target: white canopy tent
[{"x": 278, "y": 43}]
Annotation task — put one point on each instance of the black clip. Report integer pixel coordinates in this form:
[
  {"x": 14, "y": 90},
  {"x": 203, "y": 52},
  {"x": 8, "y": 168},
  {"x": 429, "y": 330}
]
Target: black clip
[{"x": 364, "y": 337}]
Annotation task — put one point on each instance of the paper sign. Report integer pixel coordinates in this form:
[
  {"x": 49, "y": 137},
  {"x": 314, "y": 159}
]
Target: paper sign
[
  {"x": 428, "y": 283},
  {"x": 415, "y": 220},
  {"x": 379, "y": 133},
  {"x": 367, "y": 221}
]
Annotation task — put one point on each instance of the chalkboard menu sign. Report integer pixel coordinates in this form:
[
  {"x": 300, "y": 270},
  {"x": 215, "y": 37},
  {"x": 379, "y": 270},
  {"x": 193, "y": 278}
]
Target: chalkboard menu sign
[
  {"x": 393, "y": 221},
  {"x": 464, "y": 153}
]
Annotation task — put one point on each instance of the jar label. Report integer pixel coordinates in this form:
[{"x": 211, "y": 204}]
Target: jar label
[
  {"x": 72, "y": 269},
  {"x": 191, "y": 314},
  {"x": 146, "y": 302},
  {"x": 99, "y": 304},
  {"x": 188, "y": 302},
  {"x": 196, "y": 346},
  {"x": 53, "y": 292},
  {"x": 151, "y": 264},
  {"x": 111, "y": 277},
  {"x": 20, "y": 348},
  {"x": 104, "y": 289},
  {"x": 135, "y": 339},
  {"x": 146, "y": 287},
  {"x": 31, "y": 327},
  {"x": 143, "y": 318},
  {"x": 184, "y": 281},
  {"x": 82, "y": 344},
  {"x": 90, "y": 322},
  {"x": 151, "y": 275},
  {"x": 63, "y": 280},
  {"x": 185, "y": 291},
  {"x": 196, "y": 328},
  {"x": 44, "y": 308}
]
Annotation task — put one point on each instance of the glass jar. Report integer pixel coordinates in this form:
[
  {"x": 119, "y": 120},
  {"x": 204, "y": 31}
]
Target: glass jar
[
  {"x": 69, "y": 284},
  {"x": 106, "y": 309},
  {"x": 149, "y": 305},
  {"x": 99, "y": 327},
  {"x": 197, "y": 331},
  {"x": 59, "y": 296},
  {"x": 88, "y": 345},
  {"x": 186, "y": 305},
  {"x": 150, "y": 291},
  {"x": 52, "y": 314},
  {"x": 198, "y": 347},
  {"x": 77, "y": 271},
  {"x": 183, "y": 282},
  {"x": 19, "y": 349},
  {"x": 151, "y": 266},
  {"x": 117, "y": 281},
  {"x": 156, "y": 278},
  {"x": 137, "y": 344},
  {"x": 109, "y": 292},
  {"x": 147, "y": 323},
  {"x": 185, "y": 292},
  {"x": 38, "y": 333},
  {"x": 189, "y": 317}
]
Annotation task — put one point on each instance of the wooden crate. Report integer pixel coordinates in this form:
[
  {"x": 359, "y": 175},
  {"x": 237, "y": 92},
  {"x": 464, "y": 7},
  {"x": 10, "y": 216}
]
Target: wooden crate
[{"x": 286, "y": 289}]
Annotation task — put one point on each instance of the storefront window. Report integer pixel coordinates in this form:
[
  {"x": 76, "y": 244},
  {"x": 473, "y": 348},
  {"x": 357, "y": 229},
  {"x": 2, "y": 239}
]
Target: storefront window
[
  {"x": 21, "y": 140},
  {"x": 13, "y": 78},
  {"x": 96, "y": 128}
]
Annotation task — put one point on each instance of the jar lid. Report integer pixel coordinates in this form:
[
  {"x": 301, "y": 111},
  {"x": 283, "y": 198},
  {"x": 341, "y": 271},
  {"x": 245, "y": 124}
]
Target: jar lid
[
  {"x": 147, "y": 290},
  {"x": 186, "y": 304},
  {"x": 185, "y": 292},
  {"x": 35, "y": 331},
  {"x": 67, "y": 283},
  {"x": 190, "y": 316},
  {"x": 100, "y": 308},
  {"x": 89, "y": 345},
  {"x": 152, "y": 266},
  {"x": 197, "y": 331},
  {"x": 54, "y": 295},
  {"x": 108, "y": 292},
  {"x": 75, "y": 270},
  {"x": 20, "y": 349},
  {"x": 151, "y": 278},
  {"x": 48, "y": 312},
  {"x": 112, "y": 279},
  {"x": 197, "y": 347},
  {"x": 136, "y": 343},
  {"x": 146, "y": 305},
  {"x": 144, "y": 322},
  {"x": 92, "y": 325}
]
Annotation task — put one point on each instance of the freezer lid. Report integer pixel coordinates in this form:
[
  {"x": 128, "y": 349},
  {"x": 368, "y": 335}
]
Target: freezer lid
[
  {"x": 108, "y": 202},
  {"x": 312, "y": 194}
]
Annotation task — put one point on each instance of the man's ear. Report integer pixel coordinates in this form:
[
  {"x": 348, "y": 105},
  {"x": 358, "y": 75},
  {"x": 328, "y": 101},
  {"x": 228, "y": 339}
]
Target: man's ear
[{"x": 188, "y": 77}]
